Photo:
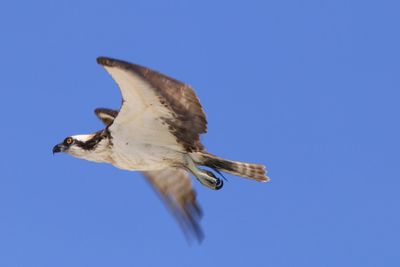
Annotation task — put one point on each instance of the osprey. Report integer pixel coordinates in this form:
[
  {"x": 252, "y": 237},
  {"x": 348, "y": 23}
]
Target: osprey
[{"x": 157, "y": 131}]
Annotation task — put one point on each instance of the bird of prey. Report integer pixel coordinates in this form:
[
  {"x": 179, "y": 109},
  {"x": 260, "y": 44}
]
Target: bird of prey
[{"x": 157, "y": 131}]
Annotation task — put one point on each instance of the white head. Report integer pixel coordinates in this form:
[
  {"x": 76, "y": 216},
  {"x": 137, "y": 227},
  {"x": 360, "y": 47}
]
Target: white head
[{"x": 93, "y": 147}]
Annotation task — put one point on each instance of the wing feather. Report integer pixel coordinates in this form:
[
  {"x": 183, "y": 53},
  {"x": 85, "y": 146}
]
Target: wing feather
[
  {"x": 175, "y": 188},
  {"x": 157, "y": 108},
  {"x": 106, "y": 115}
]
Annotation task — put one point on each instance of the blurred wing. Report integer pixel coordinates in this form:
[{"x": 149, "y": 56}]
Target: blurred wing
[
  {"x": 156, "y": 109},
  {"x": 175, "y": 188}
]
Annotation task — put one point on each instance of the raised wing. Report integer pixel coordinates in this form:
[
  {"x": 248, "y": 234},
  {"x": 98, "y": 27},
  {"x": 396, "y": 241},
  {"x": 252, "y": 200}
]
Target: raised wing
[
  {"x": 175, "y": 188},
  {"x": 156, "y": 109}
]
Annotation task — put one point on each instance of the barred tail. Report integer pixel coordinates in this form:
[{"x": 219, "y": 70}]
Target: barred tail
[{"x": 251, "y": 171}]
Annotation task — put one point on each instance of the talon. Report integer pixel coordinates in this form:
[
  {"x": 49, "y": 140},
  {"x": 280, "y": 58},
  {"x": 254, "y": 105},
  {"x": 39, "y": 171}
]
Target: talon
[
  {"x": 219, "y": 184},
  {"x": 208, "y": 179}
]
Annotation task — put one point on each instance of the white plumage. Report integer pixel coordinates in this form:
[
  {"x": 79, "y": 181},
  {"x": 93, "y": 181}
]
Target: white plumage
[{"x": 157, "y": 131}]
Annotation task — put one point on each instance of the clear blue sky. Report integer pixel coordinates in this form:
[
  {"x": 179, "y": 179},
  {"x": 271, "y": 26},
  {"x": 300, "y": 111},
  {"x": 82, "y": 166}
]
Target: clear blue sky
[{"x": 309, "y": 88}]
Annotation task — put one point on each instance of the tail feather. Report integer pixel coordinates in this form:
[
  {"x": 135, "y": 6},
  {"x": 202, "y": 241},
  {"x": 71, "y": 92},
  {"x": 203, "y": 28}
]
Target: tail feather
[{"x": 246, "y": 170}]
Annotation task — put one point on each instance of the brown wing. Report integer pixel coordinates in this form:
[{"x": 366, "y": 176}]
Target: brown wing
[
  {"x": 158, "y": 102},
  {"x": 175, "y": 188},
  {"x": 106, "y": 115}
]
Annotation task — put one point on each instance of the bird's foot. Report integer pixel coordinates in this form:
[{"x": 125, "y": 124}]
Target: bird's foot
[
  {"x": 208, "y": 179},
  {"x": 205, "y": 177},
  {"x": 220, "y": 184}
]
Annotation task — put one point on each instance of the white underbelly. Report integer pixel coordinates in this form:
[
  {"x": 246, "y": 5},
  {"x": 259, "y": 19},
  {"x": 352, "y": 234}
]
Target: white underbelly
[{"x": 144, "y": 157}]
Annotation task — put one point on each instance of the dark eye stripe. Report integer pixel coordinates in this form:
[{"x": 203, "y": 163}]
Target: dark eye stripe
[{"x": 92, "y": 143}]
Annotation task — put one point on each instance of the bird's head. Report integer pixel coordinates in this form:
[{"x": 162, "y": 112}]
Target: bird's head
[
  {"x": 80, "y": 146},
  {"x": 64, "y": 146}
]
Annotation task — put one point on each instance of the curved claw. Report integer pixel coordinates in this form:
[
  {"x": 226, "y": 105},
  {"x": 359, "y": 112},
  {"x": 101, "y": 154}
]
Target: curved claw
[
  {"x": 215, "y": 183},
  {"x": 205, "y": 177},
  {"x": 219, "y": 184}
]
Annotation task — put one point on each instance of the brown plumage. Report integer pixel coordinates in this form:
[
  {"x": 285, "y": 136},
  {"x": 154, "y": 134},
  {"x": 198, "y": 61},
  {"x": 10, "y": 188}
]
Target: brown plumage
[
  {"x": 189, "y": 118},
  {"x": 157, "y": 131},
  {"x": 246, "y": 170},
  {"x": 175, "y": 188},
  {"x": 106, "y": 115}
]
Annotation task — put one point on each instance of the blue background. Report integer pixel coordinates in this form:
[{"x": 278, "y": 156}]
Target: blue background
[{"x": 309, "y": 88}]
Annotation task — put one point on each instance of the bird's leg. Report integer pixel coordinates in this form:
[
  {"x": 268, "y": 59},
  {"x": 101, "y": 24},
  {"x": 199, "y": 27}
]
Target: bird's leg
[{"x": 205, "y": 177}]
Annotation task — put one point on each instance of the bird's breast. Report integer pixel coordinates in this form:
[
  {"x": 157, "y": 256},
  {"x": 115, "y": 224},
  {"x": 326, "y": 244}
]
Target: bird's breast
[{"x": 144, "y": 157}]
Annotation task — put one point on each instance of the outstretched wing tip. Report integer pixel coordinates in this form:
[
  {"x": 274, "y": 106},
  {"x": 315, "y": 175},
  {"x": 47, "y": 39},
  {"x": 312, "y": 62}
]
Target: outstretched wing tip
[
  {"x": 112, "y": 62},
  {"x": 97, "y": 111},
  {"x": 104, "y": 61}
]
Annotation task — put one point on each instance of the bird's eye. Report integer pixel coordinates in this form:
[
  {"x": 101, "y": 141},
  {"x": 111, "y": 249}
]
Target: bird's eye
[{"x": 68, "y": 141}]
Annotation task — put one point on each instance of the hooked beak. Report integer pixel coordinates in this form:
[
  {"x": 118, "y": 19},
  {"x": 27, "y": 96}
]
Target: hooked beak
[{"x": 59, "y": 148}]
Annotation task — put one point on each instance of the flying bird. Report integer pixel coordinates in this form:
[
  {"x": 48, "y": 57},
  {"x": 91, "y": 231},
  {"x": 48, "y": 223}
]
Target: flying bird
[{"x": 157, "y": 131}]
